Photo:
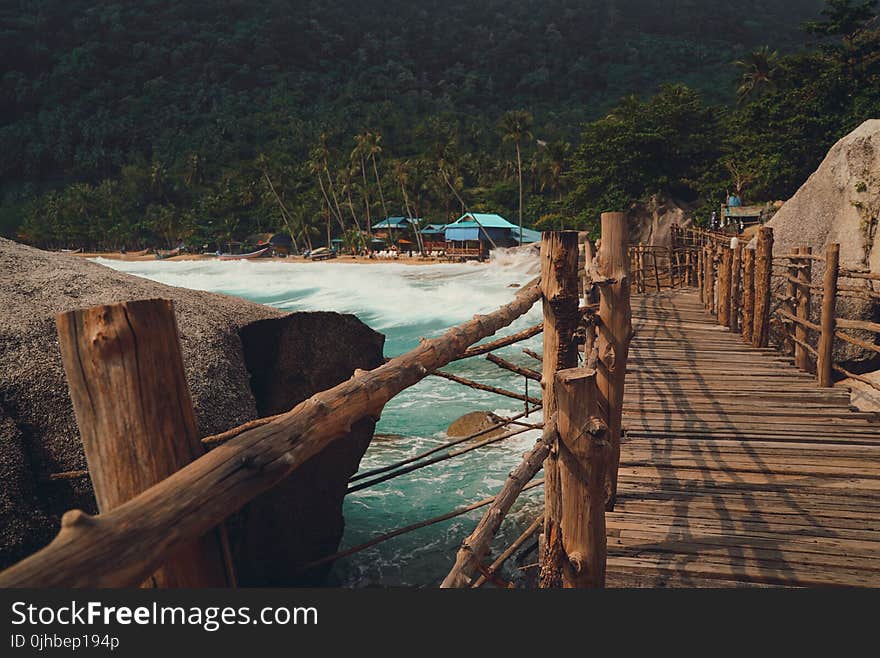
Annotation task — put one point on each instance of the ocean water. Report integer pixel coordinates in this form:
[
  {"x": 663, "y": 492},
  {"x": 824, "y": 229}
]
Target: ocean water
[{"x": 405, "y": 303}]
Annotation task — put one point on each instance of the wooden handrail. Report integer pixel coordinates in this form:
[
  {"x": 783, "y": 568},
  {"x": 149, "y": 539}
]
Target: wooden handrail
[{"x": 124, "y": 545}]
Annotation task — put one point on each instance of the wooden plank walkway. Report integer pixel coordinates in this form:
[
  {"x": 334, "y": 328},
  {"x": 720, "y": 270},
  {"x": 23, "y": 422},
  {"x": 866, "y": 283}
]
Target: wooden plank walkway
[{"x": 737, "y": 469}]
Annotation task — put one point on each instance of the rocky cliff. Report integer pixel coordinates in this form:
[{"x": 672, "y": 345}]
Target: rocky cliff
[
  {"x": 242, "y": 360},
  {"x": 840, "y": 202}
]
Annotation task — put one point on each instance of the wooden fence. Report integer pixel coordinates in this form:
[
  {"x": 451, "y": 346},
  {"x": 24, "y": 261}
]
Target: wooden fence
[
  {"x": 163, "y": 499},
  {"x": 751, "y": 292}
]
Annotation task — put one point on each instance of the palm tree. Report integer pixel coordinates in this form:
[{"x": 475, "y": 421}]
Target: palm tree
[
  {"x": 358, "y": 156},
  {"x": 402, "y": 171},
  {"x": 759, "y": 73},
  {"x": 374, "y": 148},
  {"x": 516, "y": 127},
  {"x": 552, "y": 167}
]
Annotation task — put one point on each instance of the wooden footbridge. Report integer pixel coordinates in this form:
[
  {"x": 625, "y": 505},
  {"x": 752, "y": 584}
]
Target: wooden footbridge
[
  {"x": 736, "y": 468},
  {"x": 692, "y": 435}
]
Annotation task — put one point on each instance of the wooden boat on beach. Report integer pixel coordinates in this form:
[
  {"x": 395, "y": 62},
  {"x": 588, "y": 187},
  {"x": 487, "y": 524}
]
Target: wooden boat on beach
[
  {"x": 169, "y": 253},
  {"x": 250, "y": 256},
  {"x": 142, "y": 252},
  {"x": 322, "y": 253}
]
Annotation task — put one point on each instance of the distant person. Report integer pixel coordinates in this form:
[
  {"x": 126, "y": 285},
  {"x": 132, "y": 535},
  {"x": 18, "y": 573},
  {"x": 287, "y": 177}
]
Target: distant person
[{"x": 733, "y": 201}]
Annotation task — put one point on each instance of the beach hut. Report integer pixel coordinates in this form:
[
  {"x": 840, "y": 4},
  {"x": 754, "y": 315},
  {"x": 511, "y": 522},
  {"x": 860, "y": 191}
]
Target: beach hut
[
  {"x": 473, "y": 235},
  {"x": 434, "y": 237}
]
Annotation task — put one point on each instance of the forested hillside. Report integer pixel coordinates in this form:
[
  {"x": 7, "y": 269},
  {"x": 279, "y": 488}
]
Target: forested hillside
[{"x": 206, "y": 120}]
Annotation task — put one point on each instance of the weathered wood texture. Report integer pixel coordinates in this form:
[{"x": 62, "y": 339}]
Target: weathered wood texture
[
  {"x": 475, "y": 547},
  {"x": 561, "y": 318},
  {"x": 724, "y": 269},
  {"x": 125, "y": 374},
  {"x": 748, "y": 287},
  {"x": 584, "y": 451},
  {"x": 735, "y": 288},
  {"x": 763, "y": 272},
  {"x": 126, "y": 544},
  {"x": 615, "y": 333},
  {"x": 802, "y": 296},
  {"x": 825, "y": 365},
  {"x": 737, "y": 469}
]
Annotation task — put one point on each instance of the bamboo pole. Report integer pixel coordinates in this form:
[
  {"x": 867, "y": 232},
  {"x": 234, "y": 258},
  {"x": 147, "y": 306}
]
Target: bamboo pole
[
  {"x": 615, "y": 332},
  {"x": 763, "y": 272},
  {"x": 561, "y": 318},
  {"x": 724, "y": 267},
  {"x": 476, "y": 545},
  {"x": 828, "y": 320},
  {"x": 584, "y": 450},
  {"x": 123, "y": 546},
  {"x": 804, "y": 275},
  {"x": 125, "y": 373}
]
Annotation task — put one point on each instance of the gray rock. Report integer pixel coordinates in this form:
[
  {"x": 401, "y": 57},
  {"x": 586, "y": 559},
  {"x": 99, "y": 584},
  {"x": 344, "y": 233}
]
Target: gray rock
[
  {"x": 840, "y": 202},
  {"x": 38, "y": 433}
]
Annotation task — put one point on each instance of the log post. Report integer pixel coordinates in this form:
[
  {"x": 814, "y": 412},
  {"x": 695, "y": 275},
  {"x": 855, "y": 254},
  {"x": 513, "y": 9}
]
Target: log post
[
  {"x": 584, "y": 452},
  {"x": 643, "y": 269},
  {"x": 671, "y": 253},
  {"x": 790, "y": 328},
  {"x": 763, "y": 271},
  {"x": 125, "y": 373},
  {"x": 561, "y": 318},
  {"x": 805, "y": 277},
  {"x": 724, "y": 267},
  {"x": 700, "y": 275},
  {"x": 707, "y": 277},
  {"x": 735, "y": 281},
  {"x": 656, "y": 269},
  {"x": 748, "y": 287},
  {"x": 828, "y": 322},
  {"x": 615, "y": 332}
]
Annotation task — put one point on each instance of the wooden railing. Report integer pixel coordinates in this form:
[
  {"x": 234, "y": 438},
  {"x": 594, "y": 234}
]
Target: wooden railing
[
  {"x": 751, "y": 292},
  {"x": 163, "y": 500}
]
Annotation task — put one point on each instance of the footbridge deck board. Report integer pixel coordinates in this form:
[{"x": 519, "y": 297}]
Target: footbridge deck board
[{"x": 736, "y": 469}]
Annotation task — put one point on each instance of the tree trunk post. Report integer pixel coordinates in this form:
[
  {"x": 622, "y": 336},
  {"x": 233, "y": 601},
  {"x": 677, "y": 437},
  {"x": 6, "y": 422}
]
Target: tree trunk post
[
  {"x": 561, "y": 318},
  {"x": 805, "y": 277},
  {"x": 656, "y": 269},
  {"x": 735, "y": 281},
  {"x": 615, "y": 332},
  {"x": 763, "y": 272},
  {"x": 828, "y": 322},
  {"x": 584, "y": 452},
  {"x": 700, "y": 274},
  {"x": 748, "y": 287},
  {"x": 724, "y": 267},
  {"x": 708, "y": 257},
  {"x": 125, "y": 374},
  {"x": 643, "y": 269},
  {"x": 671, "y": 253}
]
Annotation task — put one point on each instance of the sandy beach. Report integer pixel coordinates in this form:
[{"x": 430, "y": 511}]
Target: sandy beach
[{"x": 416, "y": 260}]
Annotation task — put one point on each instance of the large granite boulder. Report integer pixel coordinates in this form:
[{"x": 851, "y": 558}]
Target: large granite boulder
[
  {"x": 650, "y": 222},
  {"x": 840, "y": 202},
  {"x": 242, "y": 360}
]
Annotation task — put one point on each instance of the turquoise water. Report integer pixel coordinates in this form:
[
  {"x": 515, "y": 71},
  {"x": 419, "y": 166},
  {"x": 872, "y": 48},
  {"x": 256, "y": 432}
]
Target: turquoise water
[{"x": 405, "y": 303}]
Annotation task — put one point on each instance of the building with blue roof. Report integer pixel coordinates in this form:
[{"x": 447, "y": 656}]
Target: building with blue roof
[{"x": 473, "y": 235}]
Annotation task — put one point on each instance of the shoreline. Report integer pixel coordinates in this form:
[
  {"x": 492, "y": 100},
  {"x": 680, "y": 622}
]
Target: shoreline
[{"x": 115, "y": 255}]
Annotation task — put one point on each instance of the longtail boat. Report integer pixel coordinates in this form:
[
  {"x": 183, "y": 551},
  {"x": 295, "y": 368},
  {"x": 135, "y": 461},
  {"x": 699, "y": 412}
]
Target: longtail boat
[
  {"x": 162, "y": 253},
  {"x": 250, "y": 256}
]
